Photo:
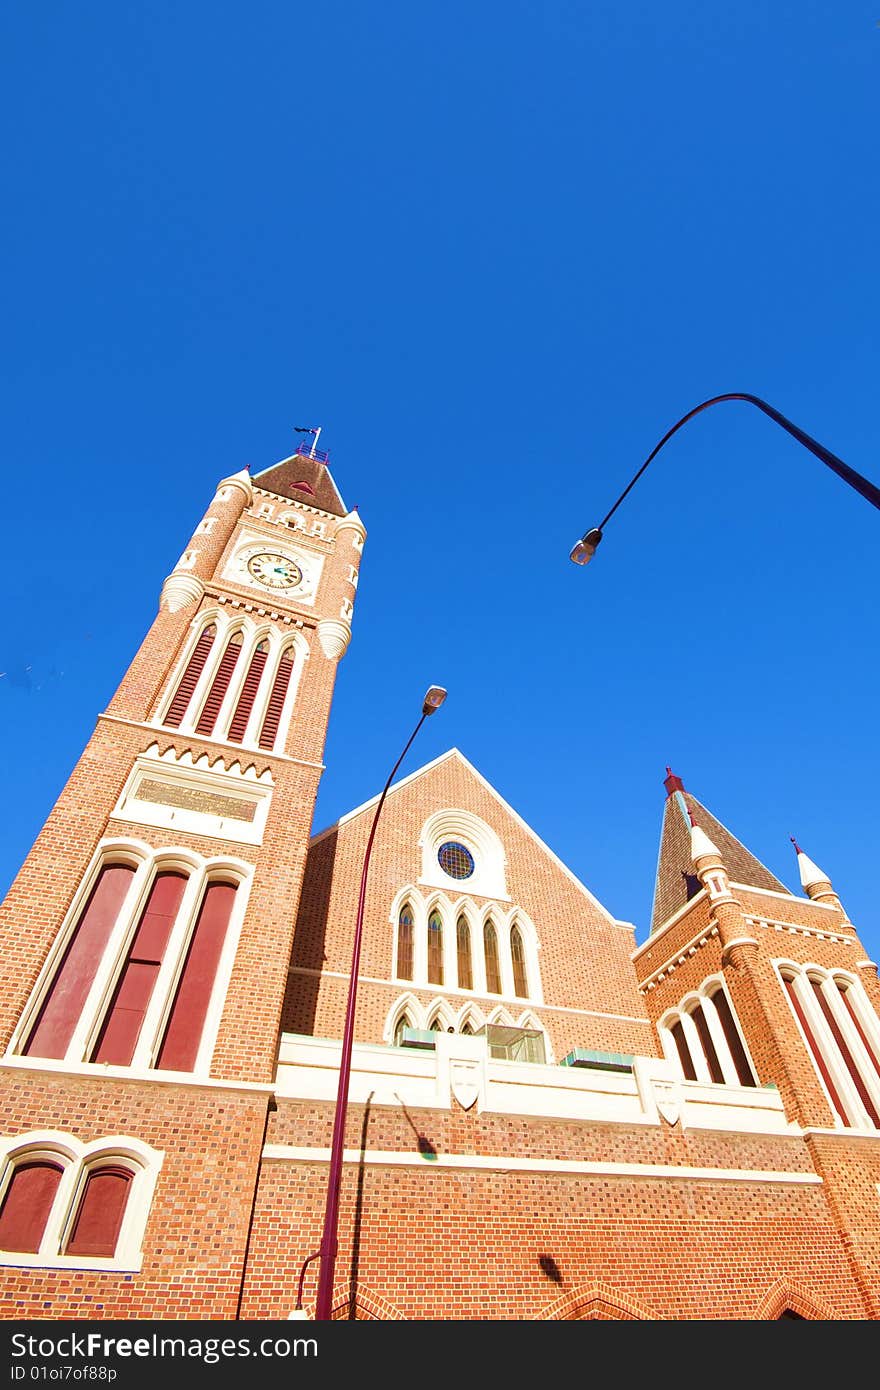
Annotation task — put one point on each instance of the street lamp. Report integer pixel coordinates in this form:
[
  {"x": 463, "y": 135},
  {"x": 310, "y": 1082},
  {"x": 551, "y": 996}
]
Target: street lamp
[
  {"x": 329, "y": 1243},
  {"x": 584, "y": 549}
]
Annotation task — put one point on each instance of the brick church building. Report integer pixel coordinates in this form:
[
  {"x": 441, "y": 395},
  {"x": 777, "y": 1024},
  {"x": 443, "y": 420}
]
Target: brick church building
[{"x": 546, "y": 1121}]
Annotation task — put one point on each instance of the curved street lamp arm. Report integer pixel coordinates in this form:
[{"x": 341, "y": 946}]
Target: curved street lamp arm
[
  {"x": 329, "y": 1241},
  {"x": 867, "y": 489}
]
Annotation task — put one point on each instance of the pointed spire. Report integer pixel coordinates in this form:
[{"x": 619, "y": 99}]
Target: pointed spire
[
  {"x": 811, "y": 874},
  {"x": 690, "y": 832}
]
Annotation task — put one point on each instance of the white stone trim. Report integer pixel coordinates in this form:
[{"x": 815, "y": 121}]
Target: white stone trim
[
  {"x": 102, "y": 1071},
  {"x": 786, "y": 897},
  {"x": 505, "y": 1163},
  {"x": 78, "y": 1160},
  {"x": 245, "y": 786},
  {"x": 655, "y": 936},
  {"x": 451, "y": 823},
  {"x": 670, "y": 965},
  {"x": 466, "y": 994}
]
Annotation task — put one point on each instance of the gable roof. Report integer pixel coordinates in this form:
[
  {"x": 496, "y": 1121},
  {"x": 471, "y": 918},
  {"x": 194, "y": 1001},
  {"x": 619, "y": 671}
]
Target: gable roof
[
  {"x": 435, "y": 762},
  {"x": 675, "y": 883}
]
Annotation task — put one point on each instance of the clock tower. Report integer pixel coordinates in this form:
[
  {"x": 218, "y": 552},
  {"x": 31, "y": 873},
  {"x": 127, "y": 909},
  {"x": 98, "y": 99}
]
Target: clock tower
[{"x": 147, "y": 937}]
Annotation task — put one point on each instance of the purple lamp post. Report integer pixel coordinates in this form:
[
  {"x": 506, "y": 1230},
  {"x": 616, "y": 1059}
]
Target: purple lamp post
[
  {"x": 329, "y": 1242},
  {"x": 584, "y": 549}
]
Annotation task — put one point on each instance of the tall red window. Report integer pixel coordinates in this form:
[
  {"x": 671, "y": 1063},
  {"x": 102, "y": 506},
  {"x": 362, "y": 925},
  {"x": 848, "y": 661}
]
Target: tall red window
[
  {"x": 405, "y": 943},
  {"x": 493, "y": 968},
  {"x": 248, "y": 694},
  {"x": 98, "y": 1219},
  {"x": 61, "y": 1009},
  {"x": 815, "y": 1049},
  {"x": 518, "y": 960},
  {"x": 732, "y": 1036},
  {"x": 272, "y": 717},
  {"x": 183, "y": 1032},
  {"x": 189, "y": 679},
  {"x": 848, "y": 1059},
  {"x": 122, "y": 1023},
  {"x": 219, "y": 685},
  {"x": 27, "y": 1204},
  {"x": 684, "y": 1052},
  {"x": 435, "y": 948},
  {"x": 846, "y": 996},
  {"x": 707, "y": 1044},
  {"x": 463, "y": 947}
]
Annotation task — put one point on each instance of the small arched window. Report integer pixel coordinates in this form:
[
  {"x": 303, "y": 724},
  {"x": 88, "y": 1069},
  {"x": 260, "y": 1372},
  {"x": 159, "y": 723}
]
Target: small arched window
[
  {"x": 98, "y": 1219},
  {"x": 463, "y": 947},
  {"x": 490, "y": 948},
  {"x": 466, "y": 1028},
  {"x": 405, "y": 943},
  {"x": 435, "y": 948},
  {"x": 435, "y": 1026},
  {"x": 27, "y": 1204},
  {"x": 518, "y": 961},
  {"x": 402, "y": 1022}
]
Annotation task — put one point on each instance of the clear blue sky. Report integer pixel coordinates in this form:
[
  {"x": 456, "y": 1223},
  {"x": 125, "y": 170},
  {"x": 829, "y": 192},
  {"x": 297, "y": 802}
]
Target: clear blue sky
[{"x": 495, "y": 250}]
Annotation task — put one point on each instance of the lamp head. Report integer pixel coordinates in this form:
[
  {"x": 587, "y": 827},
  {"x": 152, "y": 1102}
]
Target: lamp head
[
  {"x": 434, "y": 699},
  {"x": 585, "y": 548}
]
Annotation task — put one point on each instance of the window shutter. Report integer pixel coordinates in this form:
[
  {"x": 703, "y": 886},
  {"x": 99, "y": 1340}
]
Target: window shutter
[
  {"x": 101, "y": 1209},
  {"x": 248, "y": 693},
  {"x": 180, "y": 1046},
  {"x": 189, "y": 679},
  {"x": 27, "y": 1204},
  {"x": 272, "y": 718},
  {"x": 59, "y": 1015},
  {"x": 122, "y": 1024},
  {"x": 219, "y": 685}
]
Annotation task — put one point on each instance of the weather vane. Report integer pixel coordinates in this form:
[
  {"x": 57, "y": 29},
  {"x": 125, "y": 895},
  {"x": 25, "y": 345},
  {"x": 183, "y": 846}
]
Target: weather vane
[{"x": 314, "y": 431}]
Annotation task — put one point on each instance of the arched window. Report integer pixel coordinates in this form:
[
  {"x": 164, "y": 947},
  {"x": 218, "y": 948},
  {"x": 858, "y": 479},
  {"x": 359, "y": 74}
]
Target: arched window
[
  {"x": 189, "y": 679},
  {"x": 64, "y": 1203},
  {"x": 435, "y": 1026},
  {"x": 27, "y": 1204},
  {"x": 435, "y": 948},
  {"x": 405, "y": 943},
  {"x": 101, "y": 1208},
  {"x": 183, "y": 1032},
  {"x": 280, "y": 685},
  {"x": 402, "y": 1022},
  {"x": 62, "y": 1006},
  {"x": 840, "y": 1030},
  {"x": 702, "y": 1034},
  {"x": 490, "y": 950},
  {"x": 463, "y": 947},
  {"x": 518, "y": 961},
  {"x": 467, "y": 1028},
  {"x": 220, "y": 684},
  {"x": 248, "y": 693},
  {"x": 150, "y": 941},
  {"x": 122, "y": 1022}
]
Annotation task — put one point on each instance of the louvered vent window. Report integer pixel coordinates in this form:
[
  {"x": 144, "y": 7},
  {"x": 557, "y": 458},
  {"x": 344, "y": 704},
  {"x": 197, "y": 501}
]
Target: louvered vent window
[
  {"x": 280, "y": 685},
  {"x": 248, "y": 693},
  {"x": 188, "y": 681},
  {"x": 220, "y": 685}
]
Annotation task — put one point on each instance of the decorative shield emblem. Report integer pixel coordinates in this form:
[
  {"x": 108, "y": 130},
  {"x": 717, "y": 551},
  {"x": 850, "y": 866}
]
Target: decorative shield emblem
[{"x": 465, "y": 1083}]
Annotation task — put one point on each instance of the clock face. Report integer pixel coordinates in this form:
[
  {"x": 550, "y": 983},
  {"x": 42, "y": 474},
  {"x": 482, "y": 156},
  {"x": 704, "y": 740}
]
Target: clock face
[{"x": 274, "y": 570}]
